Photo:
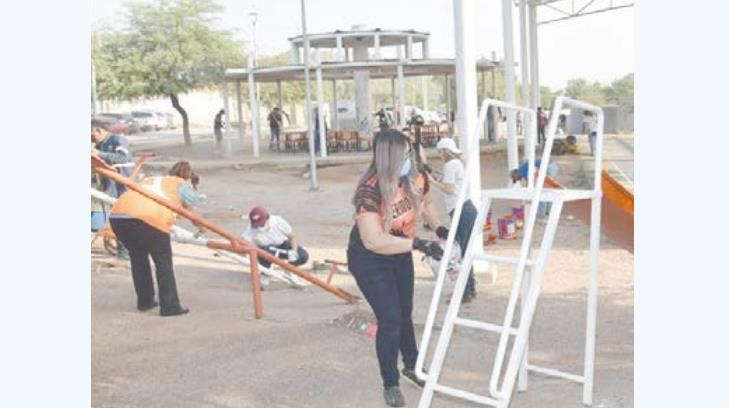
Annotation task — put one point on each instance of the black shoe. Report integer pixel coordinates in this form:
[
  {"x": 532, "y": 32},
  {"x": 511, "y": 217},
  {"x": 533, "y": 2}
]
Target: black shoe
[
  {"x": 144, "y": 308},
  {"x": 174, "y": 312},
  {"x": 468, "y": 297},
  {"x": 412, "y": 377},
  {"x": 393, "y": 397}
]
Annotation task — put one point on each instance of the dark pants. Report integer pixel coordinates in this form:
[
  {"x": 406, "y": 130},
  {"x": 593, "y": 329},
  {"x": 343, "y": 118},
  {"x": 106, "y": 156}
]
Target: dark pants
[
  {"x": 463, "y": 234},
  {"x": 540, "y": 134},
  {"x": 387, "y": 284},
  {"x": 142, "y": 241},
  {"x": 275, "y": 135},
  {"x": 303, "y": 255}
]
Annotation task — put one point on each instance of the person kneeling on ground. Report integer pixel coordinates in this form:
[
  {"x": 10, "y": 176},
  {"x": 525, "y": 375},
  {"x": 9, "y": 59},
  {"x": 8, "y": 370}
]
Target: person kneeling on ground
[
  {"x": 453, "y": 174},
  {"x": 522, "y": 173},
  {"x": 144, "y": 226},
  {"x": 274, "y": 235},
  {"x": 387, "y": 201}
]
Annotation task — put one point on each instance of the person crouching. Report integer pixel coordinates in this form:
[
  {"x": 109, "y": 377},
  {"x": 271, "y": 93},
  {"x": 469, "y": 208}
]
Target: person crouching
[{"x": 274, "y": 235}]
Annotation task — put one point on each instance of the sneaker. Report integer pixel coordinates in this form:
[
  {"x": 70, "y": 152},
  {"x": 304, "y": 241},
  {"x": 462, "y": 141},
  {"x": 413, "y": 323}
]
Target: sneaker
[
  {"x": 409, "y": 374},
  {"x": 393, "y": 397}
]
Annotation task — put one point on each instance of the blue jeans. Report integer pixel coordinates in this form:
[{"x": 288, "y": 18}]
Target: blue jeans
[{"x": 463, "y": 235}]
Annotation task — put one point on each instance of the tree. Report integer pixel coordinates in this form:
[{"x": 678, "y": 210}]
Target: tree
[
  {"x": 164, "y": 48},
  {"x": 620, "y": 92}
]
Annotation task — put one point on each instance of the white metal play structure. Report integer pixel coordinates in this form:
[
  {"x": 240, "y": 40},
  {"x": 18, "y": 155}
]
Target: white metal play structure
[{"x": 528, "y": 276}]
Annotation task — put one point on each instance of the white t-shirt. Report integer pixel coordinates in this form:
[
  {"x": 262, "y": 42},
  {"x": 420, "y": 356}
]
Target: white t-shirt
[
  {"x": 275, "y": 233},
  {"x": 453, "y": 173}
]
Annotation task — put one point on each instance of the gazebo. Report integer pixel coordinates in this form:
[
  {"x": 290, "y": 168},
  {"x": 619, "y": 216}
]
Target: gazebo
[{"x": 359, "y": 55}]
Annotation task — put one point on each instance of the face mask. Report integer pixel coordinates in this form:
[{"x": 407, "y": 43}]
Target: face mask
[{"x": 406, "y": 167}]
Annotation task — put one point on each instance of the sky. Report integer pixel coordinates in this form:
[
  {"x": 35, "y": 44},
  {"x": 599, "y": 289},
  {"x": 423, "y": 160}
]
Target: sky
[{"x": 598, "y": 47}]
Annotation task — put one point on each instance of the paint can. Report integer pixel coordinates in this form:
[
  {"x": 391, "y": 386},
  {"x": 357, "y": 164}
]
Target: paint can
[
  {"x": 507, "y": 227},
  {"x": 518, "y": 213}
]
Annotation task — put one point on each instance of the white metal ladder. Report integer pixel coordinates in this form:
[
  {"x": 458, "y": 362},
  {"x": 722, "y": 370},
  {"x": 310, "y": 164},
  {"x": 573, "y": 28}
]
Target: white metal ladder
[{"x": 523, "y": 285}]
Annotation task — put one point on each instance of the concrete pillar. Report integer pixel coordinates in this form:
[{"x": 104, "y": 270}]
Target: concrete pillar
[
  {"x": 401, "y": 95},
  {"x": 466, "y": 86},
  {"x": 279, "y": 95},
  {"x": 426, "y": 49},
  {"x": 295, "y": 54},
  {"x": 341, "y": 52},
  {"x": 378, "y": 53},
  {"x": 335, "y": 113},
  {"x": 448, "y": 103},
  {"x": 524, "y": 49},
  {"x": 226, "y": 106},
  {"x": 534, "y": 58},
  {"x": 253, "y": 98},
  {"x": 320, "y": 108},
  {"x": 239, "y": 105},
  {"x": 361, "y": 82},
  {"x": 409, "y": 48},
  {"x": 511, "y": 144}
]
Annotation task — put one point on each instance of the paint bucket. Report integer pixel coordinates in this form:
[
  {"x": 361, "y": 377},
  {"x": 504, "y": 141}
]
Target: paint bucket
[
  {"x": 518, "y": 213},
  {"x": 489, "y": 222},
  {"x": 507, "y": 227}
]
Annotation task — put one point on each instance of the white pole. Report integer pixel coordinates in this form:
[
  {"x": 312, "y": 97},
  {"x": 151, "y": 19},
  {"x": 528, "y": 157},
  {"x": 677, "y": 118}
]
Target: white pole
[
  {"x": 401, "y": 95},
  {"x": 320, "y": 107},
  {"x": 426, "y": 49},
  {"x": 307, "y": 91},
  {"x": 466, "y": 88},
  {"x": 409, "y": 48},
  {"x": 226, "y": 105},
  {"x": 534, "y": 59},
  {"x": 511, "y": 145},
  {"x": 524, "y": 48},
  {"x": 239, "y": 105},
  {"x": 591, "y": 331},
  {"x": 253, "y": 101},
  {"x": 335, "y": 114}
]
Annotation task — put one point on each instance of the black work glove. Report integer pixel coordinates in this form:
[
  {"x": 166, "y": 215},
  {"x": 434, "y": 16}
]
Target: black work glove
[
  {"x": 442, "y": 232},
  {"x": 429, "y": 248}
]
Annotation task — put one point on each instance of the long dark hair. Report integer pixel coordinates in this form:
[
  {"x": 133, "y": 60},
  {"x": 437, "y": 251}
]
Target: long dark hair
[
  {"x": 387, "y": 159},
  {"x": 183, "y": 170}
]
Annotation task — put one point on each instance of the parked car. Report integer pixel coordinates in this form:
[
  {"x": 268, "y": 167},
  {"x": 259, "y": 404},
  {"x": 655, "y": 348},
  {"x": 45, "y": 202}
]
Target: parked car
[
  {"x": 159, "y": 121},
  {"x": 112, "y": 125},
  {"x": 145, "y": 119},
  {"x": 134, "y": 125}
]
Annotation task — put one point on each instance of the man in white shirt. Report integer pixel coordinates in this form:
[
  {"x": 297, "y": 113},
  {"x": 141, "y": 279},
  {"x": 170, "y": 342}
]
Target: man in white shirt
[
  {"x": 274, "y": 235},
  {"x": 453, "y": 175}
]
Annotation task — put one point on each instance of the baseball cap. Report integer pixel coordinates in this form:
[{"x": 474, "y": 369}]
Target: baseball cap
[
  {"x": 448, "y": 144},
  {"x": 258, "y": 216}
]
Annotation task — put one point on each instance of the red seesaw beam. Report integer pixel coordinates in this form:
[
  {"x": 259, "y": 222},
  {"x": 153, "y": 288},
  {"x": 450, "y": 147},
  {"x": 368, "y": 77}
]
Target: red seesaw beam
[{"x": 235, "y": 244}]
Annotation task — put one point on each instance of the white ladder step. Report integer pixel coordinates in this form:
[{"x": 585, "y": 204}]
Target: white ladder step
[
  {"x": 501, "y": 259},
  {"x": 548, "y": 194},
  {"x": 455, "y": 392},
  {"x": 477, "y": 324}
]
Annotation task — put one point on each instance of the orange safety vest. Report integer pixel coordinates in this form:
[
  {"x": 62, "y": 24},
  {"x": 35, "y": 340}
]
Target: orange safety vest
[{"x": 140, "y": 207}]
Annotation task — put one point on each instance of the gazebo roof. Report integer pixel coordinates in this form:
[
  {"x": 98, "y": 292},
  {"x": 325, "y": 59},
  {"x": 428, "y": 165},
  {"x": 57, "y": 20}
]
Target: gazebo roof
[{"x": 378, "y": 69}]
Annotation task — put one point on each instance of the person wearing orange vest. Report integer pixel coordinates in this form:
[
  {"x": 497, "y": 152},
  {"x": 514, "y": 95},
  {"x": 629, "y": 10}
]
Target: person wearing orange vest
[
  {"x": 389, "y": 198},
  {"x": 143, "y": 226}
]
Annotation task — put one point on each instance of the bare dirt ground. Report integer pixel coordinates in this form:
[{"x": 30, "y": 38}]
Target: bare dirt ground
[{"x": 296, "y": 356}]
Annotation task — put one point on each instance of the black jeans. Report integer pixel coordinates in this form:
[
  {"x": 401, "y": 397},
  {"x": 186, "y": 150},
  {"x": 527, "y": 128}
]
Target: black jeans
[
  {"x": 540, "y": 134},
  {"x": 387, "y": 282},
  {"x": 142, "y": 240},
  {"x": 285, "y": 246},
  {"x": 463, "y": 234}
]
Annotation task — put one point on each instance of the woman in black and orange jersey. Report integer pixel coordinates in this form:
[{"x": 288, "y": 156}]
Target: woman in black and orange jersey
[
  {"x": 389, "y": 198},
  {"x": 143, "y": 226}
]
